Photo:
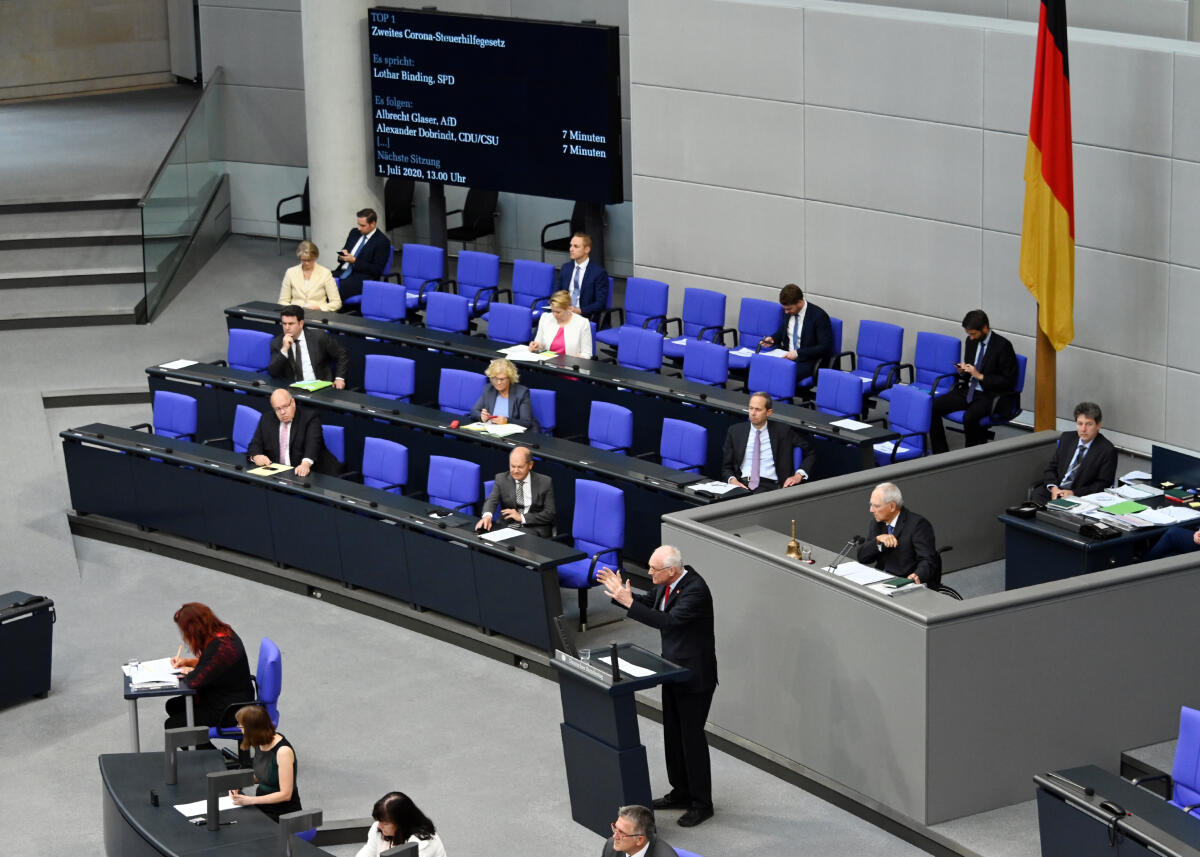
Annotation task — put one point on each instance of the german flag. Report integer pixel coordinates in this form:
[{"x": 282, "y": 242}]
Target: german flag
[{"x": 1048, "y": 231}]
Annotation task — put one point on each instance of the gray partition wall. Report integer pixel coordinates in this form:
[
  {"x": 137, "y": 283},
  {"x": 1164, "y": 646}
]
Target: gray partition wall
[
  {"x": 918, "y": 705},
  {"x": 875, "y": 157}
]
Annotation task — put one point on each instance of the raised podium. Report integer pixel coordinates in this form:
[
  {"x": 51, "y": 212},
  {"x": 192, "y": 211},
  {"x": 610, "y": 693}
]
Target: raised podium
[{"x": 605, "y": 759}]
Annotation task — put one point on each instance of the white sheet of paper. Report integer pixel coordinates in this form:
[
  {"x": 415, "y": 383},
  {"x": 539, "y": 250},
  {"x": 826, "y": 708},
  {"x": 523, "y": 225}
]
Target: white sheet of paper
[
  {"x": 200, "y": 807},
  {"x": 775, "y": 352},
  {"x": 154, "y": 673},
  {"x": 1102, "y": 498},
  {"x": 852, "y": 425},
  {"x": 522, "y": 352},
  {"x": 742, "y": 352},
  {"x": 867, "y": 575},
  {"x": 1180, "y": 513},
  {"x": 504, "y": 430},
  {"x": 1134, "y": 475},
  {"x": 178, "y": 364},
  {"x": 1154, "y": 516},
  {"x": 626, "y": 667},
  {"x": 501, "y": 534},
  {"x": 1137, "y": 492},
  {"x": 713, "y": 487}
]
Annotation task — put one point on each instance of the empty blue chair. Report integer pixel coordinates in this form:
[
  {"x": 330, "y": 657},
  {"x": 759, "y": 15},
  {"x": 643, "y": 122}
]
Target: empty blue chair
[
  {"x": 532, "y": 285},
  {"x": 267, "y": 683},
  {"x": 458, "y": 389},
  {"x": 639, "y": 348},
  {"x": 384, "y": 464},
  {"x": 545, "y": 409},
  {"x": 645, "y": 308},
  {"x": 1005, "y": 407},
  {"x": 477, "y": 279},
  {"x": 385, "y": 301},
  {"x": 933, "y": 364},
  {"x": 706, "y": 363},
  {"x": 245, "y": 424},
  {"x": 248, "y": 350},
  {"x": 174, "y": 415},
  {"x": 390, "y": 377},
  {"x": 910, "y": 414},
  {"x": 446, "y": 312},
  {"x": 805, "y": 385},
  {"x": 876, "y": 354},
  {"x": 1185, "y": 770},
  {"x": 335, "y": 442},
  {"x": 355, "y": 301},
  {"x": 773, "y": 375},
  {"x": 452, "y": 483},
  {"x": 610, "y": 427},
  {"x": 422, "y": 269},
  {"x": 597, "y": 528},
  {"x": 756, "y": 319},
  {"x": 839, "y": 393},
  {"x": 683, "y": 445},
  {"x": 703, "y": 317},
  {"x": 509, "y": 323}
]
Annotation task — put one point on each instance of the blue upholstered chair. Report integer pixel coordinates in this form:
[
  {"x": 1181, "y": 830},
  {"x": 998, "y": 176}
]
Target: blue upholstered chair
[
  {"x": 389, "y": 377},
  {"x": 248, "y": 350},
  {"x": 245, "y": 424},
  {"x": 645, "y": 309},
  {"x": 383, "y": 301},
  {"x": 385, "y": 464},
  {"x": 1184, "y": 779},
  {"x": 702, "y": 317},
  {"x": 267, "y": 682},
  {"x": 446, "y": 312},
  {"x": 545, "y": 409},
  {"x": 772, "y": 375},
  {"x": 453, "y": 483},
  {"x": 477, "y": 279},
  {"x": 705, "y": 363},
  {"x": 335, "y": 442},
  {"x": 610, "y": 427},
  {"x": 910, "y": 414},
  {"x": 933, "y": 359},
  {"x": 422, "y": 269},
  {"x": 805, "y": 386},
  {"x": 598, "y": 529},
  {"x": 509, "y": 323},
  {"x": 174, "y": 415},
  {"x": 839, "y": 393},
  {"x": 532, "y": 285},
  {"x": 639, "y": 348},
  {"x": 355, "y": 301},
  {"x": 458, "y": 389},
  {"x": 1005, "y": 407},
  {"x": 683, "y": 445},
  {"x": 756, "y": 319},
  {"x": 876, "y": 355}
]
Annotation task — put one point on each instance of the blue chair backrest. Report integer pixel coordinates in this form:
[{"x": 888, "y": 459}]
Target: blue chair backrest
[
  {"x": 878, "y": 342},
  {"x": 384, "y": 463},
  {"x": 1015, "y": 401},
  {"x": 772, "y": 375},
  {"x": 599, "y": 519},
  {"x": 390, "y": 377},
  {"x": 911, "y": 410},
  {"x": 936, "y": 354},
  {"x": 684, "y": 445},
  {"x": 639, "y": 349},
  {"x": 387, "y": 266},
  {"x": 452, "y": 482},
  {"x": 420, "y": 263},
  {"x": 174, "y": 415},
  {"x": 268, "y": 676},
  {"x": 1185, "y": 771},
  {"x": 245, "y": 423},
  {"x": 610, "y": 427},
  {"x": 532, "y": 284},
  {"x": 836, "y": 324},
  {"x": 645, "y": 299},
  {"x": 702, "y": 308},
  {"x": 545, "y": 409},
  {"x": 447, "y": 312},
  {"x": 839, "y": 393},
  {"x": 705, "y": 363},
  {"x": 509, "y": 323},
  {"x": 383, "y": 301},
  {"x": 757, "y": 319},
  {"x": 335, "y": 441},
  {"x": 249, "y": 350},
  {"x": 458, "y": 389},
  {"x": 476, "y": 272}
]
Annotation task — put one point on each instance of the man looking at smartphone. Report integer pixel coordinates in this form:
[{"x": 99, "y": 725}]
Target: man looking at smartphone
[{"x": 989, "y": 368}]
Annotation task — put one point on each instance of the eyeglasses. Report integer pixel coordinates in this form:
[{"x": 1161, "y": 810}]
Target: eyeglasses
[
  {"x": 618, "y": 832},
  {"x": 661, "y": 567}
]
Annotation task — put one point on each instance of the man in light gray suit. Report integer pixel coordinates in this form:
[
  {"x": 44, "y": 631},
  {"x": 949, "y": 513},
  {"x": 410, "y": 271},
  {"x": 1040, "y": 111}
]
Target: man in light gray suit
[
  {"x": 524, "y": 498},
  {"x": 634, "y": 833}
]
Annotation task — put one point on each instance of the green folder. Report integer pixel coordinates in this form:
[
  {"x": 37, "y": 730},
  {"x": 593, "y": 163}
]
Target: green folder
[
  {"x": 312, "y": 386},
  {"x": 1126, "y": 508}
]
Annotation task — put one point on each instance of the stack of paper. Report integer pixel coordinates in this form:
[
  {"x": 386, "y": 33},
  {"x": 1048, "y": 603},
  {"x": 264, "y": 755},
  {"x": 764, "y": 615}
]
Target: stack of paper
[
  {"x": 493, "y": 429},
  {"x": 713, "y": 487},
  {"x": 152, "y": 675},
  {"x": 852, "y": 425},
  {"x": 522, "y": 353},
  {"x": 1137, "y": 492},
  {"x": 856, "y": 572}
]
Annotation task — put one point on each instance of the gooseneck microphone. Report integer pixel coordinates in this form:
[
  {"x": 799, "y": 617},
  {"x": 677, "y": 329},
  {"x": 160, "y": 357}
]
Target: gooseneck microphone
[{"x": 850, "y": 545}]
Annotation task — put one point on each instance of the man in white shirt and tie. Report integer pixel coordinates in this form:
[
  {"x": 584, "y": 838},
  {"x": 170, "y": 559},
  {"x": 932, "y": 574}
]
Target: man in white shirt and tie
[
  {"x": 1084, "y": 461},
  {"x": 584, "y": 279},
  {"x": 806, "y": 334},
  {"x": 306, "y": 355},
  {"x": 759, "y": 455},
  {"x": 523, "y": 498},
  {"x": 292, "y": 436}
]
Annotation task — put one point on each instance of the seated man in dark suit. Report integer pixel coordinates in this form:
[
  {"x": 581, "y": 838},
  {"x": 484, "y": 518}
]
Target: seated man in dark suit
[
  {"x": 806, "y": 334},
  {"x": 363, "y": 257},
  {"x": 634, "y": 833},
  {"x": 292, "y": 436},
  {"x": 899, "y": 541},
  {"x": 524, "y": 498},
  {"x": 1084, "y": 462},
  {"x": 989, "y": 368},
  {"x": 759, "y": 455},
  {"x": 300, "y": 355},
  {"x": 585, "y": 280}
]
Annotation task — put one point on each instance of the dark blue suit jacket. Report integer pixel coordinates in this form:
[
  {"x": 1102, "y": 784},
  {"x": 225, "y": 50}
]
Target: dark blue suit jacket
[
  {"x": 816, "y": 339},
  {"x": 593, "y": 291},
  {"x": 369, "y": 263}
]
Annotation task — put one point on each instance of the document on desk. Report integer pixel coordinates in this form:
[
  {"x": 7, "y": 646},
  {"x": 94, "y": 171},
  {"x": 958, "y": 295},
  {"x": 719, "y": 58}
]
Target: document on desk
[
  {"x": 713, "y": 487},
  {"x": 178, "y": 364},
  {"x": 200, "y": 807},
  {"x": 625, "y": 667},
  {"x": 152, "y": 675},
  {"x": 501, "y": 534},
  {"x": 1102, "y": 498},
  {"x": 493, "y": 429},
  {"x": 852, "y": 425},
  {"x": 269, "y": 469},
  {"x": 1138, "y": 492},
  {"x": 311, "y": 386},
  {"x": 1136, "y": 475},
  {"x": 856, "y": 572},
  {"x": 522, "y": 353}
]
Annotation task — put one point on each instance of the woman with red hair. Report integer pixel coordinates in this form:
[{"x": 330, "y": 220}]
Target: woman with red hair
[{"x": 219, "y": 672}]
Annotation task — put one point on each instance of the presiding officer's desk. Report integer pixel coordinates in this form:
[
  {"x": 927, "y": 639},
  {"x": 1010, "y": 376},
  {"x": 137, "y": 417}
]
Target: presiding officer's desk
[
  {"x": 135, "y": 828},
  {"x": 342, "y": 530},
  {"x": 651, "y": 490},
  {"x": 577, "y": 382},
  {"x": 918, "y": 705}
]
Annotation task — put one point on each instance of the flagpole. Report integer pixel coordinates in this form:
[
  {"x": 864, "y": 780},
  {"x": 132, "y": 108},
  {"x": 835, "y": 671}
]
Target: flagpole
[{"x": 1045, "y": 410}]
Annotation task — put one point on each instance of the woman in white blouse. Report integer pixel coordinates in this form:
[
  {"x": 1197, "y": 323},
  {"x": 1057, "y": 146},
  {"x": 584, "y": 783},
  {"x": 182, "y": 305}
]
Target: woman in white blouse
[
  {"x": 397, "y": 821},
  {"x": 308, "y": 284},
  {"x": 563, "y": 330}
]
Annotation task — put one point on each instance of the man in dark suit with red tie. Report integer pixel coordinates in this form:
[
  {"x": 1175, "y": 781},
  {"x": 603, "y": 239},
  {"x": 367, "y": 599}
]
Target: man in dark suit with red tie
[
  {"x": 305, "y": 355},
  {"x": 586, "y": 280},
  {"x": 363, "y": 257},
  {"x": 806, "y": 334},
  {"x": 989, "y": 368},
  {"x": 292, "y": 436},
  {"x": 680, "y": 606}
]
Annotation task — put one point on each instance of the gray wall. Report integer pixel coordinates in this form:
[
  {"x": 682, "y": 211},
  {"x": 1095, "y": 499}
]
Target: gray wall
[{"x": 826, "y": 144}]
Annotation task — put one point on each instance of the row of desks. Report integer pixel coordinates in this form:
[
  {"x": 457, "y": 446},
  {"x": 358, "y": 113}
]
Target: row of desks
[
  {"x": 339, "y": 529},
  {"x": 577, "y": 383}
]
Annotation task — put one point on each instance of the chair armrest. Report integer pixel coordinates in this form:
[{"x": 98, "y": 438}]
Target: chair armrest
[
  {"x": 937, "y": 382},
  {"x": 279, "y": 205},
  {"x": 578, "y": 437},
  {"x": 596, "y": 560},
  {"x": 425, "y": 285},
  {"x": 605, "y": 320},
  {"x": 478, "y": 295},
  {"x": 720, "y": 333},
  {"x": 549, "y": 226},
  {"x": 457, "y": 211},
  {"x": 1004, "y": 397},
  {"x": 146, "y": 426},
  {"x": 214, "y": 440},
  {"x": 725, "y": 330},
  {"x": 1188, "y": 809},
  {"x": 504, "y": 290},
  {"x": 394, "y": 276},
  {"x": 563, "y": 538},
  {"x": 661, "y": 319},
  {"x": 837, "y": 358},
  {"x": 462, "y": 506},
  {"x": 452, "y": 283},
  {"x": 678, "y": 323},
  {"x": 224, "y": 363},
  {"x": 899, "y": 370},
  {"x": 347, "y": 474},
  {"x": 880, "y": 368},
  {"x": 896, "y": 445}
]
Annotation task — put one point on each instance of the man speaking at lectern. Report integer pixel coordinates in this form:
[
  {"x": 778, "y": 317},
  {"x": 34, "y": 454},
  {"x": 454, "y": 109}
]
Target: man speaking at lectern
[{"x": 680, "y": 606}]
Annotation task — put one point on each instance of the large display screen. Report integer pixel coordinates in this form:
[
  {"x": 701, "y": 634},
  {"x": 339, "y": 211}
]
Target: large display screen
[{"x": 529, "y": 107}]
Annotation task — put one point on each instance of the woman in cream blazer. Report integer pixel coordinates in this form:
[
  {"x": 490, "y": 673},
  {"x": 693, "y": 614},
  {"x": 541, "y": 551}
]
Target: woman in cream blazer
[
  {"x": 576, "y": 329},
  {"x": 308, "y": 284}
]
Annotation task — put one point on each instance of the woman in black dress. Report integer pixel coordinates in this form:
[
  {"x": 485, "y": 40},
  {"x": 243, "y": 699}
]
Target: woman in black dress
[{"x": 275, "y": 766}]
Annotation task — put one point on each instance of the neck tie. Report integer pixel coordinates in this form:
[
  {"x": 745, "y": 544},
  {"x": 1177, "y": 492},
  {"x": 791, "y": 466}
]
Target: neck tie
[
  {"x": 362, "y": 240},
  {"x": 757, "y": 455},
  {"x": 1076, "y": 460},
  {"x": 285, "y": 453},
  {"x": 297, "y": 366},
  {"x": 520, "y": 499},
  {"x": 891, "y": 529},
  {"x": 666, "y": 592},
  {"x": 796, "y": 333},
  {"x": 978, "y": 363},
  {"x": 575, "y": 285}
]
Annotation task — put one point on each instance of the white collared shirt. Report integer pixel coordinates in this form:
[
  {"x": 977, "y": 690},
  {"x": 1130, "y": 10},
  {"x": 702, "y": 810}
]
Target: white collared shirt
[
  {"x": 766, "y": 461},
  {"x": 306, "y": 367},
  {"x": 669, "y": 592},
  {"x": 796, "y": 329},
  {"x": 582, "y": 268}
]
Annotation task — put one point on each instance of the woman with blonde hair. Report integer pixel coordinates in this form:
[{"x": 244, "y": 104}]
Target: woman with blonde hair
[
  {"x": 504, "y": 400},
  {"x": 563, "y": 331},
  {"x": 308, "y": 284}
]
